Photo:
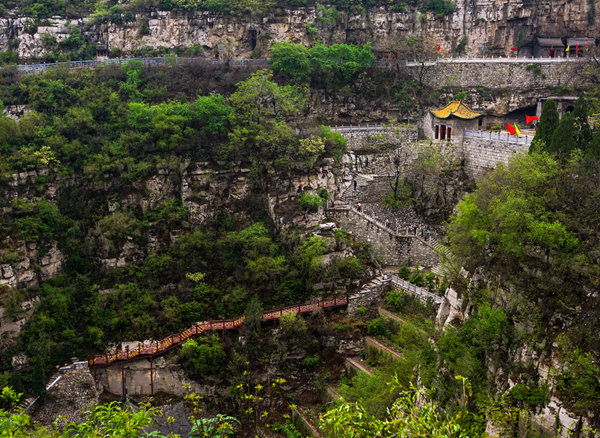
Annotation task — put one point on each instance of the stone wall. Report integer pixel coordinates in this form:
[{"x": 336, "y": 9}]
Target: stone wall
[
  {"x": 167, "y": 377},
  {"x": 482, "y": 155},
  {"x": 494, "y": 74},
  {"x": 364, "y": 140},
  {"x": 367, "y": 296},
  {"x": 390, "y": 248}
]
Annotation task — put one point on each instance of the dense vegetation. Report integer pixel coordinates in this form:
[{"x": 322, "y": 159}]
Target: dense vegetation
[{"x": 112, "y": 131}]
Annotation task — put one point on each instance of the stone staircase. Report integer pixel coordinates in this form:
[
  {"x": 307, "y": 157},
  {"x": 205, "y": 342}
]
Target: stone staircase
[
  {"x": 349, "y": 195},
  {"x": 28, "y": 402},
  {"x": 447, "y": 260}
]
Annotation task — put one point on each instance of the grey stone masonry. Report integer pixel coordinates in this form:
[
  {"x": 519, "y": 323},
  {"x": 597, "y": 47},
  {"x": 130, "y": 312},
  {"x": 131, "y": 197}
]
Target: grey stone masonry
[
  {"x": 368, "y": 295},
  {"x": 482, "y": 155},
  {"x": 392, "y": 247},
  {"x": 496, "y": 73},
  {"x": 364, "y": 139}
]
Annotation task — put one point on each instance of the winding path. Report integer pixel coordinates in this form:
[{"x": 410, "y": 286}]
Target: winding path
[{"x": 146, "y": 351}]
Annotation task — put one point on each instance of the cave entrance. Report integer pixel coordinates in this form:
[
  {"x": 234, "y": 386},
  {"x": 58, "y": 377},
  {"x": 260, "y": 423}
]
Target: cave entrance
[{"x": 252, "y": 34}]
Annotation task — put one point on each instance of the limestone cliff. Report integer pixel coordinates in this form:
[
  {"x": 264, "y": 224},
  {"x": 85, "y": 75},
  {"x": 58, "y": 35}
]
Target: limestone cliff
[{"x": 499, "y": 24}]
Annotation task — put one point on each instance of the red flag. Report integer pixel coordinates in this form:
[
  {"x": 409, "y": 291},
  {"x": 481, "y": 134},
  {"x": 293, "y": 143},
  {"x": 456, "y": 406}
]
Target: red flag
[
  {"x": 529, "y": 119},
  {"x": 439, "y": 47},
  {"x": 513, "y": 48},
  {"x": 510, "y": 128},
  {"x": 576, "y": 47}
]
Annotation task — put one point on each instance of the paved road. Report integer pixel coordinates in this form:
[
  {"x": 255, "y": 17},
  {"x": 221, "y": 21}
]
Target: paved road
[{"x": 264, "y": 62}]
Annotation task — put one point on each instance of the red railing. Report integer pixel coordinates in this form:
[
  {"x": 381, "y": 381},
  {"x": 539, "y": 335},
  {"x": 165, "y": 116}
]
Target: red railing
[{"x": 144, "y": 351}]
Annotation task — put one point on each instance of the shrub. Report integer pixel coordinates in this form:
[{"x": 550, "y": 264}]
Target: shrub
[
  {"x": 204, "y": 356},
  {"x": 310, "y": 202},
  {"x": 378, "y": 327},
  {"x": 292, "y": 325},
  {"x": 311, "y": 361},
  {"x": 534, "y": 68},
  {"x": 530, "y": 396},
  {"x": 397, "y": 299}
]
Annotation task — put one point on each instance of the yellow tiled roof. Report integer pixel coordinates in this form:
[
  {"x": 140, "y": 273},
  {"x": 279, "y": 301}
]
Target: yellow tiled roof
[{"x": 457, "y": 109}]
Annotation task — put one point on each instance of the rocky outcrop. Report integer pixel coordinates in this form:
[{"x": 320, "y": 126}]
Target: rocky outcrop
[
  {"x": 499, "y": 24},
  {"x": 33, "y": 265}
]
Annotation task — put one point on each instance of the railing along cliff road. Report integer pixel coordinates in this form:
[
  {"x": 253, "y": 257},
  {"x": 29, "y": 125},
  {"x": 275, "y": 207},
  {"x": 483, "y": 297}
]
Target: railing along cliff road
[{"x": 264, "y": 62}]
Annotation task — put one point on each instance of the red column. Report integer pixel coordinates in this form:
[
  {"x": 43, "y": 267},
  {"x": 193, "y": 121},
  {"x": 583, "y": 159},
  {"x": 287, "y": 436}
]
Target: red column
[{"x": 151, "y": 378}]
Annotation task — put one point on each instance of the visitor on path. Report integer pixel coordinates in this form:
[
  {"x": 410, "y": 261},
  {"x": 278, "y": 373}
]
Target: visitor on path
[
  {"x": 387, "y": 223},
  {"x": 354, "y": 184},
  {"x": 427, "y": 234},
  {"x": 358, "y": 207}
]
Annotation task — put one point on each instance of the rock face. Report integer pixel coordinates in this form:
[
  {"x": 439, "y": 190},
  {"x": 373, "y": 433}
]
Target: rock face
[{"x": 499, "y": 24}]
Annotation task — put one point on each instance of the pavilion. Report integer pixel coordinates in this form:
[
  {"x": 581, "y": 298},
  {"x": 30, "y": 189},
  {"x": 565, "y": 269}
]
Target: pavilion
[{"x": 450, "y": 121}]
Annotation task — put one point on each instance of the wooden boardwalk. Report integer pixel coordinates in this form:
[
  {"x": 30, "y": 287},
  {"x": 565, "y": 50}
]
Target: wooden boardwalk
[{"x": 147, "y": 351}]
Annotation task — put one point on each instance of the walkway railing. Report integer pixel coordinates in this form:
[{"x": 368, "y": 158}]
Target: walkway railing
[
  {"x": 242, "y": 62},
  {"x": 409, "y": 287},
  {"x": 145, "y": 350},
  {"x": 374, "y": 127},
  {"x": 264, "y": 62},
  {"x": 499, "y": 136},
  {"x": 490, "y": 60}
]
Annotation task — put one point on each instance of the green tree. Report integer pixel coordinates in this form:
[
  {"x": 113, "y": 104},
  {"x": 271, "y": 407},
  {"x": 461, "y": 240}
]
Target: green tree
[
  {"x": 339, "y": 64},
  {"x": 546, "y": 127},
  {"x": 565, "y": 137},
  {"x": 584, "y": 131},
  {"x": 213, "y": 114},
  {"x": 203, "y": 356},
  {"x": 259, "y": 98},
  {"x": 290, "y": 60},
  {"x": 39, "y": 381}
]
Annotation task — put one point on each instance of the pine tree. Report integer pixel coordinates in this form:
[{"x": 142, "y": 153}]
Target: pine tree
[
  {"x": 584, "y": 132},
  {"x": 548, "y": 124},
  {"x": 564, "y": 139},
  {"x": 593, "y": 148},
  {"x": 38, "y": 379}
]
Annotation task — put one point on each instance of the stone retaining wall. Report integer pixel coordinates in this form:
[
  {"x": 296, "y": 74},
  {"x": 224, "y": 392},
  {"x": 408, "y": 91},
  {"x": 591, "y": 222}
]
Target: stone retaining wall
[
  {"x": 482, "y": 155},
  {"x": 389, "y": 248},
  {"x": 367, "y": 297},
  {"x": 167, "y": 377},
  {"x": 363, "y": 141},
  {"x": 496, "y": 75}
]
